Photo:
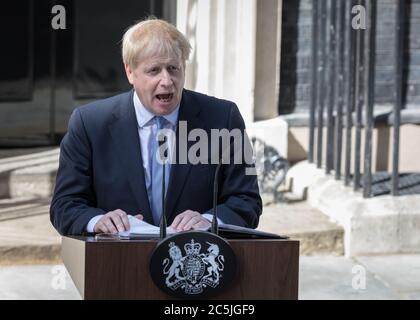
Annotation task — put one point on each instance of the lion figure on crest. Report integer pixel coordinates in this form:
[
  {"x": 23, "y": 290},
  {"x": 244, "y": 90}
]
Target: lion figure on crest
[{"x": 177, "y": 264}]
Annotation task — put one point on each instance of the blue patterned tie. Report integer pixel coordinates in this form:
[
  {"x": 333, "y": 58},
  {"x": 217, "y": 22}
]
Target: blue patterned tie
[{"x": 157, "y": 170}]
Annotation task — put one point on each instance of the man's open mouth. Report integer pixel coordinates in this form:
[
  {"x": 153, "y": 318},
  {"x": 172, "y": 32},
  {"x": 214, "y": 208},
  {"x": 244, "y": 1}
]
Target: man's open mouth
[{"x": 165, "y": 97}]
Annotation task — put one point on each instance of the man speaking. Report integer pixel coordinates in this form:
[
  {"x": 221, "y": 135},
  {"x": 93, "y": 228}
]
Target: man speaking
[{"x": 108, "y": 168}]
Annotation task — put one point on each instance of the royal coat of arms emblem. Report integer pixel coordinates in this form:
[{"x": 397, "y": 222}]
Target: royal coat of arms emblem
[
  {"x": 195, "y": 270},
  {"x": 193, "y": 264}
]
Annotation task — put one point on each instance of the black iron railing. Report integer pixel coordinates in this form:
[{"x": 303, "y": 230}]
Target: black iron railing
[{"x": 343, "y": 90}]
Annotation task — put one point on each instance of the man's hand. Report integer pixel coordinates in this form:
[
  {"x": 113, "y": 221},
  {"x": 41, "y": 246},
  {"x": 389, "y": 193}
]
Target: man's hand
[
  {"x": 190, "y": 220},
  {"x": 114, "y": 221}
]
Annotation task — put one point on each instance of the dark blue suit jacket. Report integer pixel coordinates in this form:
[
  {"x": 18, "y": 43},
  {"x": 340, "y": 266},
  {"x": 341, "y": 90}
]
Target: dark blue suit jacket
[{"x": 101, "y": 169}]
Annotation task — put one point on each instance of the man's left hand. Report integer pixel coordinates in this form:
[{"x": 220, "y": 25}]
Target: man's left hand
[{"x": 188, "y": 220}]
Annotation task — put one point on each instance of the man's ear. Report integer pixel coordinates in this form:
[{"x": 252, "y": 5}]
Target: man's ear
[{"x": 129, "y": 73}]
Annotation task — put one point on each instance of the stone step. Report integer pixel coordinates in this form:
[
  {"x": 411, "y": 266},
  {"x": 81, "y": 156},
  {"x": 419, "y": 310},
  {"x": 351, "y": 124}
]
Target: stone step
[
  {"x": 29, "y": 175},
  {"x": 14, "y": 152},
  {"x": 26, "y": 233},
  {"x": 298, "y": 220},
  {"x": 377, "y": 225},
  {"x": 23, "y": 207},
  {"x": 285, "y": 197}
]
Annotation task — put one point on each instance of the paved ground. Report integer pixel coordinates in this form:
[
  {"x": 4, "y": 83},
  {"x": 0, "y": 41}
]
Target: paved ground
[
  {"x": 387, "y": 277},
  {"x": 321, "y": 277},
  {"x": 36, "y": 282}
]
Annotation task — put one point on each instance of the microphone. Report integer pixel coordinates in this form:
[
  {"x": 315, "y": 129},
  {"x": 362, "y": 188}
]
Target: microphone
[
  {"x": 214, "y": 223},
  {"x": 226, "y": 152},
  {"x": 163, "y": 222}
]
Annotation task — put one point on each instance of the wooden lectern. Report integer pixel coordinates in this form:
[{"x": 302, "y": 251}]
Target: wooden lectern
[{"x": 268, "y": 269}]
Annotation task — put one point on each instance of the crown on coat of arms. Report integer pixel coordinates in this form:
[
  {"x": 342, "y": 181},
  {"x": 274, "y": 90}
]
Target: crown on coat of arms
[{"x": 192, "y": 248}]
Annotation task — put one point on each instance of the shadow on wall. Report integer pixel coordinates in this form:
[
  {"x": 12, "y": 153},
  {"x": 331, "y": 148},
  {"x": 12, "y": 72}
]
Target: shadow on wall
[{"x": 296, "y": 150}]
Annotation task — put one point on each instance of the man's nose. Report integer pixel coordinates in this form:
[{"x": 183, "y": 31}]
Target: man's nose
[{"x": 165, "y": 79}]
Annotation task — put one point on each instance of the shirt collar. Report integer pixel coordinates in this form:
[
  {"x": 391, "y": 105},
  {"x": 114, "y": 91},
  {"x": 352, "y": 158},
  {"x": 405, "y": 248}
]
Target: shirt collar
[{"x": 144, "y": 116}]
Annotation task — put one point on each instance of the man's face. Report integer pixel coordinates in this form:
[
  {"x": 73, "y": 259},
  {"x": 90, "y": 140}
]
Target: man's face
[{"x": 158, "y": 81}]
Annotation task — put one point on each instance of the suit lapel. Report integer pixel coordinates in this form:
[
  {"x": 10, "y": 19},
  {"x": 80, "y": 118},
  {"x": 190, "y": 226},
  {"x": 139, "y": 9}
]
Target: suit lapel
[
  {"x": 188, "y": 112},
  {"x": 126, "y": 143}
]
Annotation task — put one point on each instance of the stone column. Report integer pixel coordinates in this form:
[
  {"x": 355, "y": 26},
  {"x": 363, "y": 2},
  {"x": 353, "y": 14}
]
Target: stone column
[
  {"x": 267, "y": 59},
  {"x": 223, "y": 35}
]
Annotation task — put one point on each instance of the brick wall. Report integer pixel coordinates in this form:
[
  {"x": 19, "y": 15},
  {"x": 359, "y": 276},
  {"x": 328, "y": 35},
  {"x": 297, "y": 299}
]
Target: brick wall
[{"x": 295, "y": 72}]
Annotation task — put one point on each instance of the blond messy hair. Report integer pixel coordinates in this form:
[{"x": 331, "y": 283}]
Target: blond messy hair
[{"x": 152, "y": 37}]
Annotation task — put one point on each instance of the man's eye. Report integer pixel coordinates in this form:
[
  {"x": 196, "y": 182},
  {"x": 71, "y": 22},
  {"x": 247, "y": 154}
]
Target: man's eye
[
  {"x": 173, "y": 68},
  {"x": 153, "y": 70}
]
